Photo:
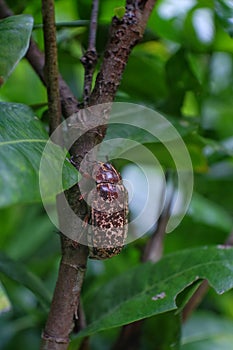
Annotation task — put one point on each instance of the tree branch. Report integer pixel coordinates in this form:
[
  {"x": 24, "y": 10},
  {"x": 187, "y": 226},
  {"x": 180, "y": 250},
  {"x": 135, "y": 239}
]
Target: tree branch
[
  {"x": 36, "y": 58},
  {"x": 51, "y": 66},
  {"x": 90, "y": 57},
  {"x": 124, "y": 35},
  {"x": 66, "y": 296}
]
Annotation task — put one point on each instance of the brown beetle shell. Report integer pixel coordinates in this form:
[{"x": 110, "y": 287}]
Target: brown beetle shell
[
  {"x": 105, "y": 172},
  {"x": 108, "y": 215}
]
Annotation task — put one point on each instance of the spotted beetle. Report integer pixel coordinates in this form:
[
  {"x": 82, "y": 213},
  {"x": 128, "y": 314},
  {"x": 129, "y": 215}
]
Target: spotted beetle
[{"x": 108, "y": 210}]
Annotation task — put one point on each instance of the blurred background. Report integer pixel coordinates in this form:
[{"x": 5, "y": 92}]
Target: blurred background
[{"x": 182, "y": 68}]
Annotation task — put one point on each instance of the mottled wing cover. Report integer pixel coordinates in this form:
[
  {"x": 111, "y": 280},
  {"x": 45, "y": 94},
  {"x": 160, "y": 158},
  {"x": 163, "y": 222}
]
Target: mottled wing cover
[{"x": 109, "y": 222}]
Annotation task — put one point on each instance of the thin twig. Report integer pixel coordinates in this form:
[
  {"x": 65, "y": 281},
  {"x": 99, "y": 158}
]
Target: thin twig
[
  {"x": 93, "y": 25},
  {"x": 129, "y": 337},
  {"x": 51, "y": 66},
  {"x": 195, "y": 300},
  {"x": 154, "y": 248},
  {"x": 78, "y": 23},
  {"x": 90, "y": 57},
  {"x": 37, "y": 60},
  {"x": 5, "y": 11}
]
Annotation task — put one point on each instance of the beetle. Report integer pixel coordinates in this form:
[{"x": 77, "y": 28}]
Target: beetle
[{"x": 108, "y": 210}]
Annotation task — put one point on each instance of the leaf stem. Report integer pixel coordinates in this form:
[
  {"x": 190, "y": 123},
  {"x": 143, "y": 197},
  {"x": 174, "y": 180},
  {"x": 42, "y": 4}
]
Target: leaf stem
[{"x": 78, "y": 23}]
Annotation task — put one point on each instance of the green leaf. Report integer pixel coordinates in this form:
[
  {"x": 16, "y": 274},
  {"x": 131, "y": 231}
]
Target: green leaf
[
  {"x": 125, "y": 140},
  {"x": 152, "y": 289},
  {"x": 216, "y": 333},
  {"x": 224, "y": 11},
  {"x": 223, "y": 42},
  {"x": 164, "y": 19},
  {"x": 19, "y": 273},
  {"x": 22, "y": 142},
  {"x": 180, "y": 77},
  {"x": 144, "y": 133},
  {"x": 15, "y": 32},
  {"x": 147, "y": 63},
  {"x": 12, "y": 239},
  {"x": 119, "y": 12},
  {"x": 24, "y": 76},
  {"x": 210, "y": 213},
  {"x": 185, "y": 295},
  {"x": 5, "y": 304}
]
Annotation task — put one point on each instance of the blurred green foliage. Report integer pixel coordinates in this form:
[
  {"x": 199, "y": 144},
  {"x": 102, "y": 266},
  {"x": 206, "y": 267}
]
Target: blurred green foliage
[{"x": 183, "y": 68}]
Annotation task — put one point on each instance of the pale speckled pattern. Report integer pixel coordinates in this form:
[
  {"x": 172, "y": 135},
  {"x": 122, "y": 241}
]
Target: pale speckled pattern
[{"x": 108, "y": 213}]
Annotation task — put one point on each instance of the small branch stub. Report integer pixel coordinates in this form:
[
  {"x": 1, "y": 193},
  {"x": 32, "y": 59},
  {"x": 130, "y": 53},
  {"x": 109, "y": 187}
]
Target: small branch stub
[{"x": 89, "y": 61}]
